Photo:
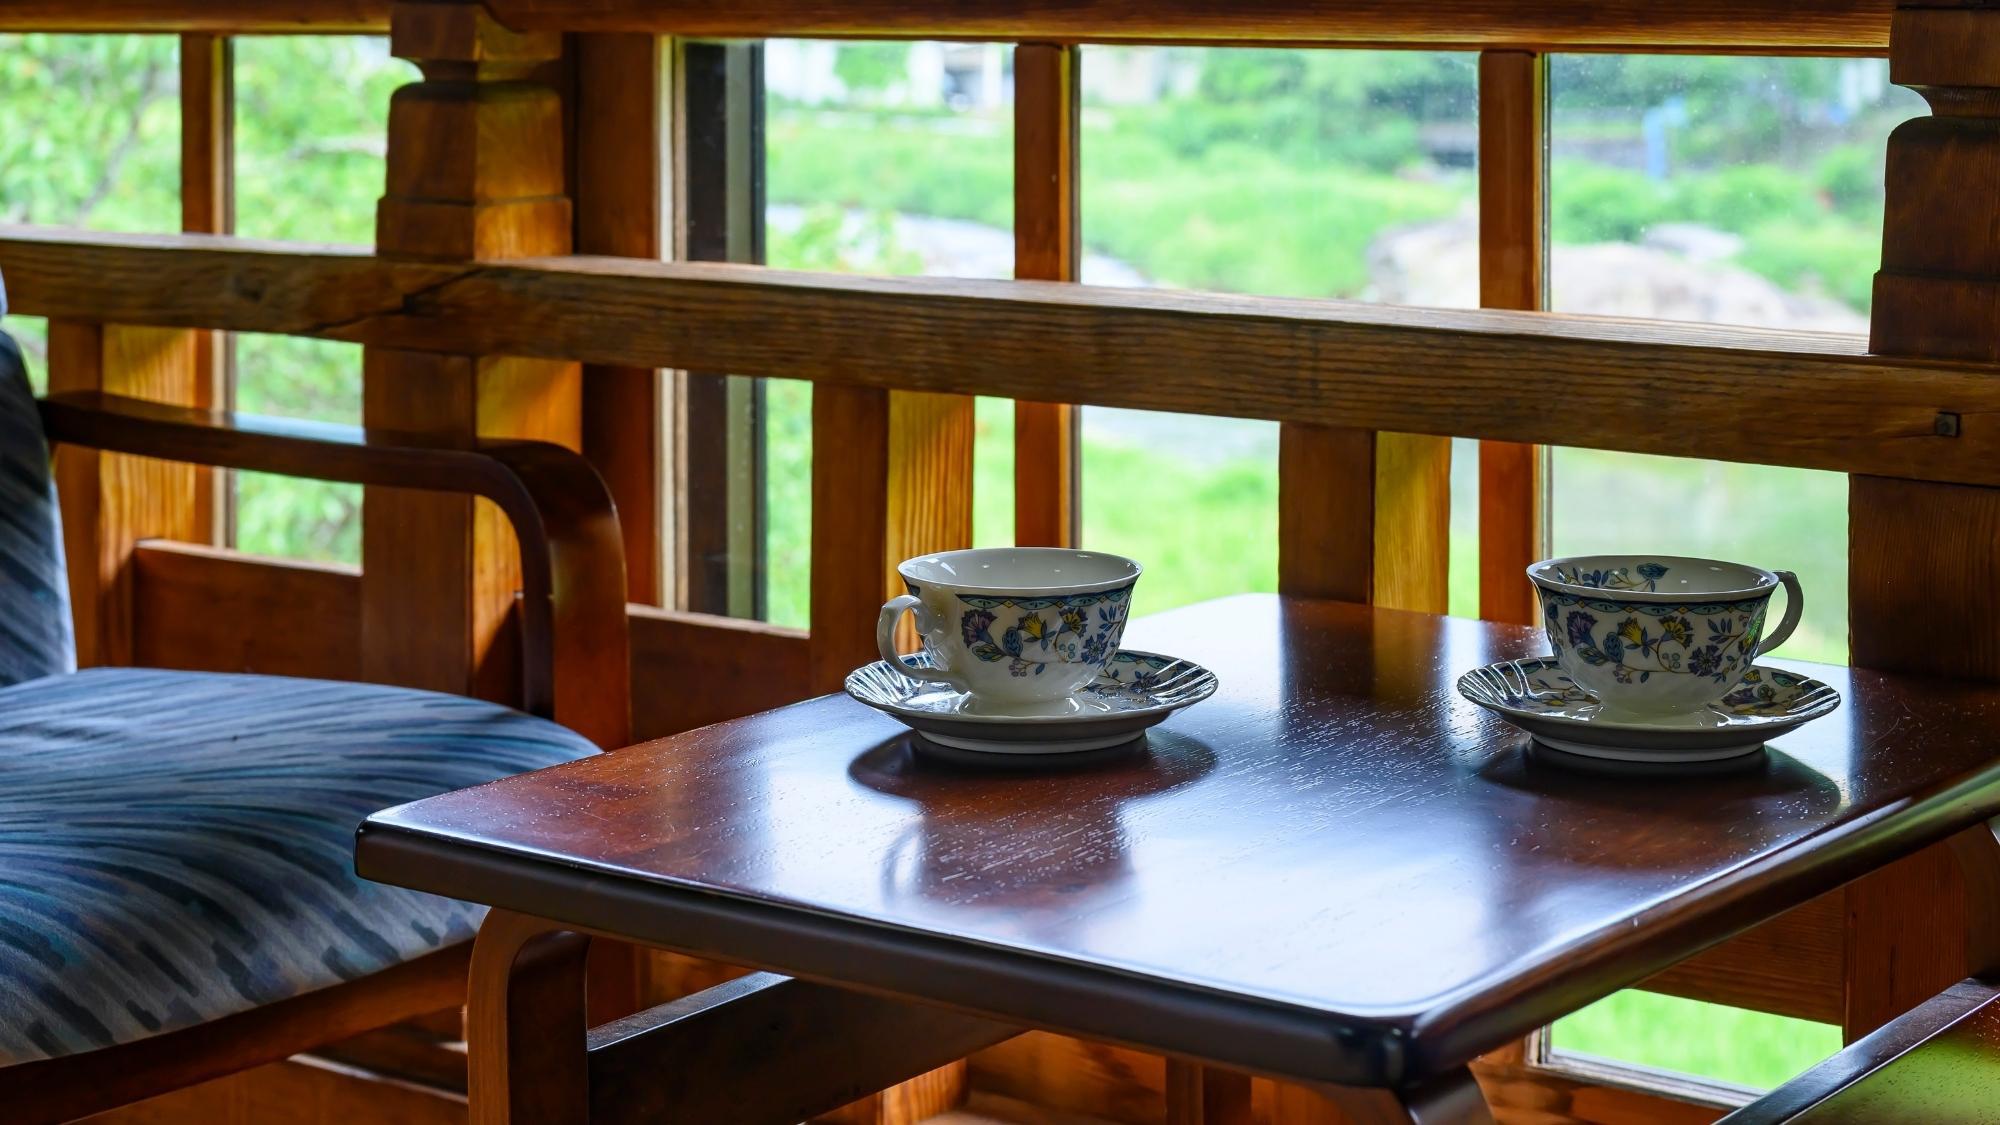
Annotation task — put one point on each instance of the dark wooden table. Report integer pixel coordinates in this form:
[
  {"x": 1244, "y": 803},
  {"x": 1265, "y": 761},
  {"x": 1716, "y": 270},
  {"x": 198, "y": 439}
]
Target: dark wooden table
[{"x": 1336, "y": 871}]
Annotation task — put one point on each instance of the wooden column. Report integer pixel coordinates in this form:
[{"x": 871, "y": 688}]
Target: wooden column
[
  {"x": 1937, "y": 296},
  {"x": 476, "y": 170},
  {"x": 208, "y": 206},
  {"x": 110, "y": 501},
  {"x": 1513, "y": 274},
  {"x": 1364, "y": 516},
  {"x": 618, "y": 127},
  {"x": 1047, "y": 247}
]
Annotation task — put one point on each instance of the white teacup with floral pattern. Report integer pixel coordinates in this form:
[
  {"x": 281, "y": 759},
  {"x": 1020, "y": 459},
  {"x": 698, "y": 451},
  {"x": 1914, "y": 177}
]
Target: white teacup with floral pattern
[
  {"x": 1017, "y": 629},
  {"x": 1658, "y": 635}
]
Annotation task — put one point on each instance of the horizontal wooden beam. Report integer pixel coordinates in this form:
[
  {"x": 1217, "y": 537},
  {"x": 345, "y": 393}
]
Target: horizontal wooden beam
[
  {"x": 1657, "y": 387},
  {"x": 1783, "y": 25},
  {"x": 1775, "y": 26},
  {"x": 1789, "y": 966},
  {"x": 204, "y": 609},
  {"x": 693, "y": 669},
  {"x": 766, "y": 1049},
  {"x": 236, "y": 17}
]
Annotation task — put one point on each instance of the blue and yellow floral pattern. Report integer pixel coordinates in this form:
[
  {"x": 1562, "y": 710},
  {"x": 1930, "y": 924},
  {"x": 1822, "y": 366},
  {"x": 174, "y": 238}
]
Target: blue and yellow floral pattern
[
  {"x": 1637, "y": 640},
  {"x": 1615, "y": 578},
  {"x": 1033, "y": 633}
]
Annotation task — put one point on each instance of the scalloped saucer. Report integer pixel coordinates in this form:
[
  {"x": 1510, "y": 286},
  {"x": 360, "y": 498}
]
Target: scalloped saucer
[
  {"x": 1536, "y": 695},
  {"x": 1135, "y": 691}
]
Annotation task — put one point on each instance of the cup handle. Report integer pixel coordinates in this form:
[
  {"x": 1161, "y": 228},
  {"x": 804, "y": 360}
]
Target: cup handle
[
  {"x": 1795, "y": 605},
  {"x": 885, "y": 639}
]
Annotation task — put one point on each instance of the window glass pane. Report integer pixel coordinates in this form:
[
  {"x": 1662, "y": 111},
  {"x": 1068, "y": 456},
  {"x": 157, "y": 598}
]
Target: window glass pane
[
  {"x": 1282, "y": 172},
  {"x": 885, "y": 158},
  {"x": 92, "y": 136},
  {"x": 1735, "y": 191},
  {"x": 308, "y": 168},
  {"x": 92, "y": 139},
  {"x": 1753, "y": 1050}
]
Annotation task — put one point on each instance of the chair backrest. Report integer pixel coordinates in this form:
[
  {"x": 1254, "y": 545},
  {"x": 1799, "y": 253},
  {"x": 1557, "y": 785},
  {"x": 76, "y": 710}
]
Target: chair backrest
[{"x": 36, "y": 637}]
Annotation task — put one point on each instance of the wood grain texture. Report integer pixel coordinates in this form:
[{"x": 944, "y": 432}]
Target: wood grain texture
[
  {"x": 1206, "y": 1095},
  {"x": 847, "y": 553},
  {"x": 58, "y": 1089},
  {"x": 1834, "y": 26},
  {"x": 693, "y": 669},
  {"x": 1364, "y": 516},
  {"x": 1074, "y": 1076},
  {"x": 1513, "y": 274},
  {"x": 112, "y": 500},
  {"x": 208, "y": 205},
  {"x": 1940, "y": 264},
  {"x": 208, "y": 16},
  {"x": 475, "y": 169},
  {"x": 971, "y": 916},
  {"x": 1324, "y": 362},
  {"x": 769, "y": 1050},
  {"x": 302, "y": 1091},
  {"x": 524, "y": 1024},
  {"x": 1790, "y": 966},
  {"x": 618, "y": 133},
  {"x": 208, "y": 610},
  {"x": 1047, "y": 247}
]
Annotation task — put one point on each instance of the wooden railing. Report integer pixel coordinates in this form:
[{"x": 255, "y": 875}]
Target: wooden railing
[{"x": 1365, "y": 394}]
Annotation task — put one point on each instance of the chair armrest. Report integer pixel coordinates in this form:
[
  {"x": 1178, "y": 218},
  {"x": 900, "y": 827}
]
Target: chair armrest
[{"x": 575, "y": 649}]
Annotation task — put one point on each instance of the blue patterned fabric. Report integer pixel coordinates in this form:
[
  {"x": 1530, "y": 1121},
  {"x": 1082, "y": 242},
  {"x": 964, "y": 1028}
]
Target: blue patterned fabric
[
  {"x": 178, "y": 846},
  {"x": 35, "y": 637}
]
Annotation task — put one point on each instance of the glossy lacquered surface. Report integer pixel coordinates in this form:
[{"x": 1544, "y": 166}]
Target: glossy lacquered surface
[{"x": 1335, "y": 869}]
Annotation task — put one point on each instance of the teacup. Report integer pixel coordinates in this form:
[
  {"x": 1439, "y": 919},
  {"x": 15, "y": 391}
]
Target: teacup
[
  {"x": 1017, "y": 629},
  {"x": 1658, "y": 635}
]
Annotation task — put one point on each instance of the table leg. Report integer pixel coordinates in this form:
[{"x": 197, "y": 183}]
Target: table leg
[
  {"x": 527, "y": 973},
  {"x": 1978, "y": 853},
  {"x": 1450, "y": 1099}
]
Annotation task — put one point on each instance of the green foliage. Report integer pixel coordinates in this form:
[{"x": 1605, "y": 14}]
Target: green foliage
[
  {"x": 1820, "y": 255},
  {"x": 948, "y": 167},
  {"x": 1730, "y": 1044},
  {"x": 871, "y": 67},
  {"x": 829, "y": 241},
  {"x": 92, "y": 135}
]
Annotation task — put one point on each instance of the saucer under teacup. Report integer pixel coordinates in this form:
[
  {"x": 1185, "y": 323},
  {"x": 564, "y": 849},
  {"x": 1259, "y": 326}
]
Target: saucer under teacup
[
  {"x": 1539, "y": 697},
  {"x": 1136, "y": 690}
]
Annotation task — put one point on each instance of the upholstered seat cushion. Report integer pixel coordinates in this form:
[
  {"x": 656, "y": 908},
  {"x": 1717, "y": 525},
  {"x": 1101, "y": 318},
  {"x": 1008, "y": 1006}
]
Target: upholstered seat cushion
[{"x": 177, "y": 846}]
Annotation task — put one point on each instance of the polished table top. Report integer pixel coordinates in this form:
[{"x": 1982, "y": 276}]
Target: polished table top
[{"x": 1335, "y": 869}]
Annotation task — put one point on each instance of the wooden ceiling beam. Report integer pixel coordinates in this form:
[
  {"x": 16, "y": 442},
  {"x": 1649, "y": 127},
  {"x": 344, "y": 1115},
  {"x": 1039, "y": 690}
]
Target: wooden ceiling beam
[
  {"x": 217, "y": 17},
  {"x": 1652, "y": 387},
  {"x": 1727, "y": 26}
]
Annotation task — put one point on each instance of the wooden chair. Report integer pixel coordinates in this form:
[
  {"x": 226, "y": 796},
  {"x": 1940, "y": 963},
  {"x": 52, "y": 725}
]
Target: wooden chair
[
  {"x": 1938, "y": 1064},
  {"x": 177, "y": 897}
]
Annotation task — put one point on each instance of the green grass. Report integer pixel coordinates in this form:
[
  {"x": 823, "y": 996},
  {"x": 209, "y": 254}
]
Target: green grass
[{"x": 1732, "y": 1045}]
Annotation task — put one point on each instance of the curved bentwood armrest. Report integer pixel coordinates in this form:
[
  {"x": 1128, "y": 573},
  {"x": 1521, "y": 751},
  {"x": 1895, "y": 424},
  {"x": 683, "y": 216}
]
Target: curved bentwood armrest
[{"x": 574, "y": 646}]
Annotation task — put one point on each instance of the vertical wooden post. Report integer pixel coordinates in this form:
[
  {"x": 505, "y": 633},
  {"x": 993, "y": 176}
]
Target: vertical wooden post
[
  {"x": 208, "y": 206},
  {"x": 619, "y": 133},
  {"x": 1937, "y": 296},
  {"x": 1047, "y": 247},
  {"x": 1513, "y": 257},
  {"x": 110, "y": 501},
  {"x": 476, "y": 171},
  {"x": 1364, "y": 516}
]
